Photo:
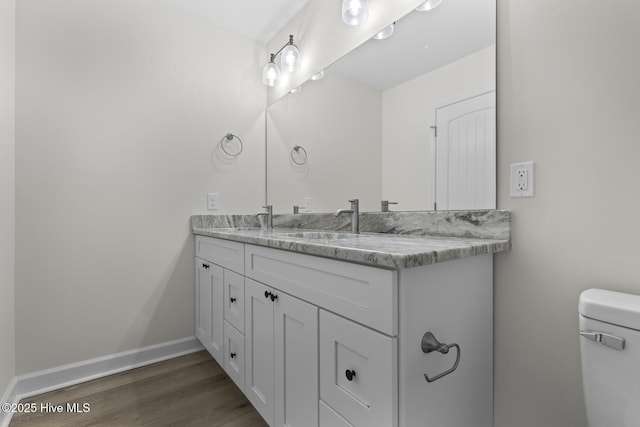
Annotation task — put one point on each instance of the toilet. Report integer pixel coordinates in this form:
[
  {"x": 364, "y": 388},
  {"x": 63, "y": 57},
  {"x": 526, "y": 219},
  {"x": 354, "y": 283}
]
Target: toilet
[{"x": 610, "y": 354}]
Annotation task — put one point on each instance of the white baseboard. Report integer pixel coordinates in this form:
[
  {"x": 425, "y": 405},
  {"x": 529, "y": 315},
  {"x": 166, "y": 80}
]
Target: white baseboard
[{"x": 63, "y": 376}]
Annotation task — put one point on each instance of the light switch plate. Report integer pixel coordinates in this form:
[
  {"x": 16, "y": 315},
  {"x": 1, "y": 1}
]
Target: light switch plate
[{"x": 522, "y": 179}]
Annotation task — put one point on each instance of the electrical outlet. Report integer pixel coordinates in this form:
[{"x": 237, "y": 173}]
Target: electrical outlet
[
  {"x": 308, "y": 207},
  {"x": 522, "y": 179},
  {"x": 213, "y": 201}
]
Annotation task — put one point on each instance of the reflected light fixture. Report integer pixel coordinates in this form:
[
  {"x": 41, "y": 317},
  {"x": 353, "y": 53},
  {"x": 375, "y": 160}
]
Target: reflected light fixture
[
  {"x": 385, "y": 33},
  {"x": 428, "y": 5},
  {"x": 355, "y": 12},
  {"x": 318, "y": 75},
  {"x": 296, "y": 89},
  {"x": 289, "y": 60}
]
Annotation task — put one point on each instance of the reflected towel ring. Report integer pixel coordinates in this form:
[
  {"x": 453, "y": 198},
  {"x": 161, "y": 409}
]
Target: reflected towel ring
[
  {"x": 298, "y": 149},
  {"x": 228, "y": 138}
]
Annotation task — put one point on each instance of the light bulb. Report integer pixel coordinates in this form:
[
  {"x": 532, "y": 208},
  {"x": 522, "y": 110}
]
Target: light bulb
[
  {"x": 270, "y": 73},
  {"x": 428, "y": 5},
  {"x": 385, "y": 33},
  {"x": 290, "y": 57},
  {"x": 355, "y": 12}
]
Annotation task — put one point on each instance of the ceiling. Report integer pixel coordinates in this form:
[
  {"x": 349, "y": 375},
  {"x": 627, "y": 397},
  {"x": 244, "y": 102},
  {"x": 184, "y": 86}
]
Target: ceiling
[{"x": 256, "y": 19}]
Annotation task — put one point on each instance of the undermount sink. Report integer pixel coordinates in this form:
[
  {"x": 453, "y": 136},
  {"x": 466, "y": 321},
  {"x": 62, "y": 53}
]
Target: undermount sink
[{"x": 318, "y": 235}]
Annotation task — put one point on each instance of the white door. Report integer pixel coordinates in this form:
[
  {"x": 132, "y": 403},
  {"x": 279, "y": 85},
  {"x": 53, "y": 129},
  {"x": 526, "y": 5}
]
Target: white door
[
  {"x": 258, "y": 326},
  {"x": 296, "y": 358},
  {"x": 465, "y": 153}
]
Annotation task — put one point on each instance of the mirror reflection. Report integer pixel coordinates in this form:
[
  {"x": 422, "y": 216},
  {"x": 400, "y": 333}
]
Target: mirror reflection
[{"x": 407, "y": 119}]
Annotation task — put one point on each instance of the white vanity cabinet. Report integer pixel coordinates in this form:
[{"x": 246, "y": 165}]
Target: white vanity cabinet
[
  {"x": 220, "y": 303},
  {"x": 332, "y": 343}
]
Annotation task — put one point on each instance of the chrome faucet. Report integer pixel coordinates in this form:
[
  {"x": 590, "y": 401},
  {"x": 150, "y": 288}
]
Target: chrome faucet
[
  {"x": 385, "y": 205},
  {"x": 269, "y": 214},
  {"x": 354, "y": 211}
]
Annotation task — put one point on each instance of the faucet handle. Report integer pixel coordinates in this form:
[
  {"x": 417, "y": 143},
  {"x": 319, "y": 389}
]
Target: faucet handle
[
  {"x": 385, "y": 205},
  {"x": 354, "y": 201},
  {"x": 268, "y": 207}
]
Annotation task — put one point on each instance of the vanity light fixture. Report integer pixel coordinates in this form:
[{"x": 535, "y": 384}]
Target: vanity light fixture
[
  {"x": 289, "y": 60},
  {"x": 385, "y": 33},
  {"x": 296, "y": 89},
  {"x": 355, "y": 12},
  {"x": 428, "y": 5}
]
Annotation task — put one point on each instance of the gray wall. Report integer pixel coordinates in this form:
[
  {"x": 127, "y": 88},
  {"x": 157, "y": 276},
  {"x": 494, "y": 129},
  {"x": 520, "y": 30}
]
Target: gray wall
[
  {"x": 7, "y": 193},
  {"x": 120, "y": 106},
  {"x": 568, "y": 91}
]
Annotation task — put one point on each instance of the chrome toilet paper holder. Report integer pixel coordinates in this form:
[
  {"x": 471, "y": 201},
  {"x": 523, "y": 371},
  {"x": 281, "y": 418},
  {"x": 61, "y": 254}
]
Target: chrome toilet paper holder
[{"x": 430, "y": 344}]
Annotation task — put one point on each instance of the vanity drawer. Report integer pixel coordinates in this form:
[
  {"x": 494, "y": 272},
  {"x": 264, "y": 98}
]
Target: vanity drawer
[
  {"x": 234, "y": 354},
  {"x": 329, "y": 417},
  {"x": 358, "y": 372},
  {"x": 234, "y": 299},
  {"x": 225, "y": 253},
  {"x": 365, "y": 294}
]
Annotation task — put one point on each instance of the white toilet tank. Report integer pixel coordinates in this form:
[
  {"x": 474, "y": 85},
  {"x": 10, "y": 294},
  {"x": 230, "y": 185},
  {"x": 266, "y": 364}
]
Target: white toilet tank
[{"x": 610, "y": 353}]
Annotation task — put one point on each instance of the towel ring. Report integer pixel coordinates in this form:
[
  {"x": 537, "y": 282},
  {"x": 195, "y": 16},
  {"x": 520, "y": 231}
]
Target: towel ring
[
  {"x": 298, "y": 149},
  {"x": 228, "y": 138}
]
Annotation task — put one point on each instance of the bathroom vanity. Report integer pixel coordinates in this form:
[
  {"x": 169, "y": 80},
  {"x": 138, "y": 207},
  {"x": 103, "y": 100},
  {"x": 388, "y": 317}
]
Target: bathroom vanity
[{"x": 327, "y": 328}]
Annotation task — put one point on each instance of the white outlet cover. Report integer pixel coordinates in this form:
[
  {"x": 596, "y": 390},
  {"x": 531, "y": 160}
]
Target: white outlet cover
[
  {"x": 213, "y": 201},
  {"x": 522, "y": 180}
]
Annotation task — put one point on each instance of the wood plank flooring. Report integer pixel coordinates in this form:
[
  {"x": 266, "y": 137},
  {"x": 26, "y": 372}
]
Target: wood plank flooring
[{"x": 190, "y": 390}]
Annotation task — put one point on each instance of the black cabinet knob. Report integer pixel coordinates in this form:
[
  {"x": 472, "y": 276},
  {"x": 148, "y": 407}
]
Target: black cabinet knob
[
  {"x": 232, "y": 355},
  {"x": 267, "y": 294},
  {"x": 232, "y": 299},
  {"x": 205, "y": 266},
  {"x": 350, "y": 374},
  {"x": 274, "y": 297}
]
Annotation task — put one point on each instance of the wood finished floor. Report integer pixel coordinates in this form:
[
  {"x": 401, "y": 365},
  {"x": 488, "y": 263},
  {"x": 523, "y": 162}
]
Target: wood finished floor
[{"x": 190, "y": 390}]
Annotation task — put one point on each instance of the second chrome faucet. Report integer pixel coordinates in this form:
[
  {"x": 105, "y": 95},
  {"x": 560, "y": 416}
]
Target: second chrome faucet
[{"x": 355, "y": 212}]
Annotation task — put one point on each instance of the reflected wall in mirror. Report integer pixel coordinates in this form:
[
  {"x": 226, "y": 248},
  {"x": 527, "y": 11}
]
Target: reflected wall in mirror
[{"x": 367, "y": 126}]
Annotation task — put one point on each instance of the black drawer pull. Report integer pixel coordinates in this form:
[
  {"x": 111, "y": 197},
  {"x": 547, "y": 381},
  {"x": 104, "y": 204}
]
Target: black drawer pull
[
  {"x": 205, "y": 266},
  {"x": 232, "y": 299},
  {"x": 350, "y": 373},
  {"x": 274, "y": 297},
  {"x": 232, "y": 355},
  {"x": 267, "y": 294}
]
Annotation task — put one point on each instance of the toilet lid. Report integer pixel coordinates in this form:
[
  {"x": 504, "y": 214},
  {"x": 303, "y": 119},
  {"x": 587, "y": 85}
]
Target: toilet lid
[{"x": 612, "y": 307}]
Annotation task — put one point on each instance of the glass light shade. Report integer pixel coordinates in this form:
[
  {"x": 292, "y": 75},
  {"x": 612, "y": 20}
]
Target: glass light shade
[
  {"x": 296, "y": 89},
  {"x": 385, "y": 33},
  {"x": 355, "y": 12},
  {"x": 428, "y": 5},
  {"x": 318, "y": 76},
  {"x": 270, "y": 74},
  {"x": 290, "y": 57}
]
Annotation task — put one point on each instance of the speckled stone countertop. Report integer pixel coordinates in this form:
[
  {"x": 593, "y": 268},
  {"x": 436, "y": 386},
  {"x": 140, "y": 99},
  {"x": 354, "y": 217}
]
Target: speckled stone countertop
[{"x": 389, "y": 240}]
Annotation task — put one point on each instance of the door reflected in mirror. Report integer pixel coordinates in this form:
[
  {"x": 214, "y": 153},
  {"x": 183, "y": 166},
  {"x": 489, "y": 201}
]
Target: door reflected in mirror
[{"x": 409, "y": 119}]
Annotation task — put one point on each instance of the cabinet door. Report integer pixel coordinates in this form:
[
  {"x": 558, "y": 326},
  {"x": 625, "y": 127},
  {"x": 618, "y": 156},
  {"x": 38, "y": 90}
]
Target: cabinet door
[
  {"x": 209, "y": 308},
  {"x": 259, "y": 348},
  {"x": 296, "y": 362},
  {"x": 234, "y": 299},
  {"x": 358, "y": 372}
]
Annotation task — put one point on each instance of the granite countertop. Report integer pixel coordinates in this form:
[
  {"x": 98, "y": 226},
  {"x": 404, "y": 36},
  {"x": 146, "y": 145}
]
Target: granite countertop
[{"x": 412, "y": 242}]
